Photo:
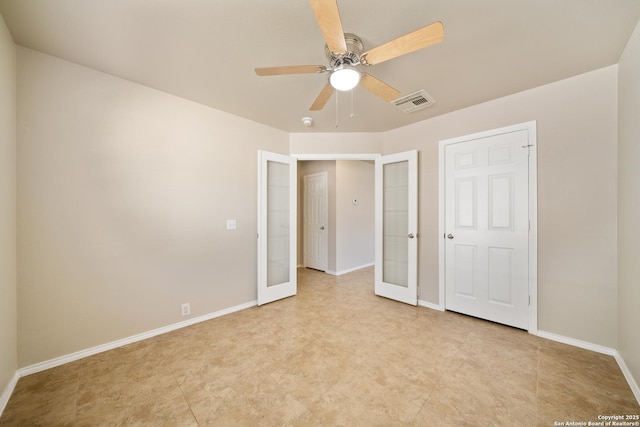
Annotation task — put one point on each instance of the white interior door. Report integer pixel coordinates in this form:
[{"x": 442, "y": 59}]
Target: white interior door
[
  {"x": 277, "y": 176},
  {"x": 486, "y": 230},
  {"x": 396, "y": 197},
  {"x": 315, "y": 221}
]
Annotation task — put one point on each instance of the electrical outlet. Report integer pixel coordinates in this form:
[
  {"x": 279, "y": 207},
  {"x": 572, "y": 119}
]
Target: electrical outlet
[{"x": 186, "y": 309}]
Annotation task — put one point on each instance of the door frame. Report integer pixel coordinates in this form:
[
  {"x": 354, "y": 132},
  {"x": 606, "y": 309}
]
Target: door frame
[
  {"x": 334, "y": 156},
  {"x": 367, "y": 156},
  {"x": 530, "y": 127}
]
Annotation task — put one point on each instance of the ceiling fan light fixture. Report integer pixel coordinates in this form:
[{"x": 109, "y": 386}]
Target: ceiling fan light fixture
[{"x": 344, "y": 78}]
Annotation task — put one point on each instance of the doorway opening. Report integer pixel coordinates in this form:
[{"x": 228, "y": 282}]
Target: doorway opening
[{"x": 336, "y": 220}]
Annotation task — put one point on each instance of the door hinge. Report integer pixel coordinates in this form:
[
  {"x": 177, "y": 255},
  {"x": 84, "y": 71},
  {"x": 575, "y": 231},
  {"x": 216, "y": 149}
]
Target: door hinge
[{"x": 529, "y": 299}]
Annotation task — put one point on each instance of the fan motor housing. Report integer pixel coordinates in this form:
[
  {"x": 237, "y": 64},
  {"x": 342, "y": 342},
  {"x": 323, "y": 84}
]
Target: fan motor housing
[{"x": 351, "y": 56}]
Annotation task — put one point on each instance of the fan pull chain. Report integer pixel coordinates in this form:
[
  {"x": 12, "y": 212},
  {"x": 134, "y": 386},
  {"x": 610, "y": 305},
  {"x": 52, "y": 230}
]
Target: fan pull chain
[
  {"x": 337, "y": 92},
  {"x": 352, "y": 114}
]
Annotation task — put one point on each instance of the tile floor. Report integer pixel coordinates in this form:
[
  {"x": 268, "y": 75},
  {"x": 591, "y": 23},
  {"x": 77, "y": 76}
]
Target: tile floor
[{"x": 334, "y": 355}]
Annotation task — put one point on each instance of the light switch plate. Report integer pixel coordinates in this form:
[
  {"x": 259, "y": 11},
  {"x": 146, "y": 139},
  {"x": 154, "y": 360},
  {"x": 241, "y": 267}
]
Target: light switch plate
[{"x": 231, "y": 224}]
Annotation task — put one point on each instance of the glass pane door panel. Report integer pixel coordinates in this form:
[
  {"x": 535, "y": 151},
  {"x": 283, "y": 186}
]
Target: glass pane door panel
[
  {"x": 395, "y": 205},
  {"x": 278, "y": 223}
]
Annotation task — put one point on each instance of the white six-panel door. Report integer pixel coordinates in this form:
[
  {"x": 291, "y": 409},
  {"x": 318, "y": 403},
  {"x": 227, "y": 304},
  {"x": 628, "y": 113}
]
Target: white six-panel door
[
  {"x": 315, "y": 221},
  {"x": 396, "y": 262},
  {"x": 486, "y": 230},
  {"x": 277, "y": 175}
]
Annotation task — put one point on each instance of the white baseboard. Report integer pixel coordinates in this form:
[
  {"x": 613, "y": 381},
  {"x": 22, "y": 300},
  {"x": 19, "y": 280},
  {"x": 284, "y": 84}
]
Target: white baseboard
[
  {"x": 341, "y": 272},
  {"x": 627, "y": 374},
  {"x": 598, "y": 349},
  {"x": 8, "y": 390},
  {"x": 577, "y": 343},
  {"x": 38, "y": 367},
  {"x": 432, "y": 306}
]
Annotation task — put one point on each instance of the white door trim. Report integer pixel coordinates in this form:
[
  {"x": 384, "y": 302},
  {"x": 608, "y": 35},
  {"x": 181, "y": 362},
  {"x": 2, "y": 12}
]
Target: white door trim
[
  {"x": 530, "y": 127},
  {"x": 363, "y": 156}
]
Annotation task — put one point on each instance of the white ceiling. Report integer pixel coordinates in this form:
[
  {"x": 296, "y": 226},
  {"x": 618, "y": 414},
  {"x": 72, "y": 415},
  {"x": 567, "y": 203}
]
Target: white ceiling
[{"x": 206, "y": 50}]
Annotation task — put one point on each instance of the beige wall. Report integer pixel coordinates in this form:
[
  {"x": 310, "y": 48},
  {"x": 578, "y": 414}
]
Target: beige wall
[
  {"x": 123, "y": 196},
  {"x": 8, "y": 302},
  {"x": 335, "y": 143},
  {"x": 629, "y": 205},
  {"x": 355, "y": 224},
  {"x": 576, "y": 125}
]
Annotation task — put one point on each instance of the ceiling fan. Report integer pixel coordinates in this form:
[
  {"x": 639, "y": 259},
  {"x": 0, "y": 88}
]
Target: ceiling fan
[{"x": 344, "y": 52}]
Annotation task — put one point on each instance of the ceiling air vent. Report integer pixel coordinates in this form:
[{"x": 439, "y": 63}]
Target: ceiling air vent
[{"x": 414, "y": 101}]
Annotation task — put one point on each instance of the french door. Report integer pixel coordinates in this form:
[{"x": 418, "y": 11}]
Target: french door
[
  {"x": 396, "y": 193},
  {"x": 277, "y": 175}
]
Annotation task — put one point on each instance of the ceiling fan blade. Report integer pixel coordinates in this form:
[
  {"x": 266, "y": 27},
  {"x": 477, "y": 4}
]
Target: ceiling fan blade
[
  {"x": 415, "y": 40},
  {"x": 328, "y": 18},
  {"x": 322, "y": 98},
  {"x": 379, "y": 88},
  {"x": 290, "y": 69}
]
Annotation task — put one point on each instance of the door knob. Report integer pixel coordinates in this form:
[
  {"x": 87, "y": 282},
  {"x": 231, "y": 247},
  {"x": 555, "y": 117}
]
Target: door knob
[
  {"x": 449, "y": 236},
  {"x": 411, "y": 236},
  {"x": 322, "y": 227}
]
